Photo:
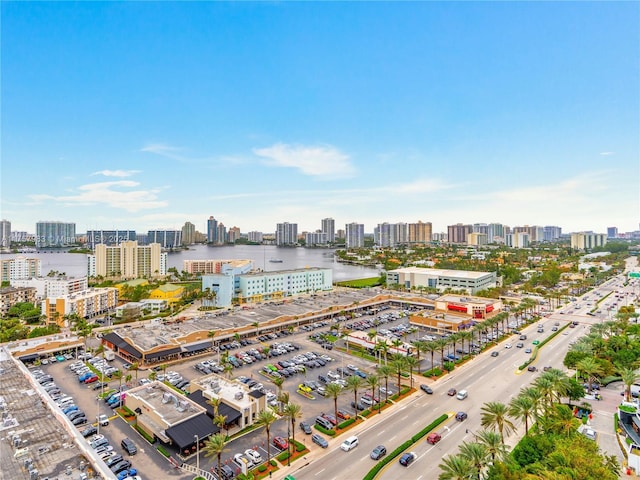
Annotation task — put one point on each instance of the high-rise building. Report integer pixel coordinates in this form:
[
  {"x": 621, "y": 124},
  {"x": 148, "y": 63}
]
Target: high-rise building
[
  {"x": 5, "y": 234},
  {"x": 477, "y": 238},
  {"x": 221, "y": 236},
  {"x": 588, "y": 240},
  {"x": 315, "y": 238},
  {"x": 612, "y": 232},
  {"x": 20, "y": 237},
  {"x": 127, "y": 260},
  {"x": 212, "y": 230},
  {"x": 420, "y": 233},
  {"x": 166, "y": 238},
  {"x": 517, "y": 240},
  {"x": 286, "y": 234},
  {"x": 188, "y": 233},
  {"x": 340, "y": 233},
  {"x": 109, "y": 237},
  {"x": 254, "y": 237},
  {"x": 495, "y": 233},
  {"x": 551, "y": 233},
  {"x": 458, "y": 233},
  {"x": 233, "y": 235},
  {"x": 329, "y": 227},
  {"x": 55, "y": 234},
  {"x": 354, "y": 235}
]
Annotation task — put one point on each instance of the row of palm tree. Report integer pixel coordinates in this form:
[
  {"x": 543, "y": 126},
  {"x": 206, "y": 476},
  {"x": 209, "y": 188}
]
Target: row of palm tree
[{"x": 540, "y": 403}]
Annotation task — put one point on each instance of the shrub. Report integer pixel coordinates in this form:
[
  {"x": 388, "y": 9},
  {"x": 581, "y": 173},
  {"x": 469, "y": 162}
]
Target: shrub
[
  {"x": 282, "y": 456},
  {"x": 434, "y": 372},
  {"x": 324, "y": 430},
  {"x": 163, "y": 451},
  {"x": 299, "y": 446},
  {"x": 262, "y": 468},
  {"x": 273, "y": 462},
  {"x": 365, "y": 412},
  {"x": 346, "y": 423},
  {"x": 405, "y": 390},
  {"x": 144, "y": 434}
]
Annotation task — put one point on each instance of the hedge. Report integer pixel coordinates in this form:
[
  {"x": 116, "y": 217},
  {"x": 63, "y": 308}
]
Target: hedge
[
  {"x": 540, "y": 345},
  {"x": 324, "y": 430},
  {"x": 346, "y": 423},
  {"x": 262, "y": 468},
  {"x": 163, "y": 451},
  {"x": 392, "y": 456},
  {"x": 146, "y": 436},
  {"x": 273, "y": 463},
  {"x": 433, "y": 372},
  {"x": 299, "y": 446}
]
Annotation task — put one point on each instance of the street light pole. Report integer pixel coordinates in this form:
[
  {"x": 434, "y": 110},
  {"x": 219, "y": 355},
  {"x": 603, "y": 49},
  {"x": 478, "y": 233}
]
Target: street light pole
[{"x": 197, "y": 452}]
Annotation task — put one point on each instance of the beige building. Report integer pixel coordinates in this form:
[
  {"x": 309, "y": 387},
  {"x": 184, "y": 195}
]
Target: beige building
[
  {"x": 476, "y": 238},
  {"x": 208, "y": 267},
  {"x": 86, "y": 304},
  {"x": 10, "y": 296},
  {"x": 127, "y": 260},
  {"x": 420, "y": 232},
  {"x": 20, "y": 268},
  {"x": 587, "y": 241}
]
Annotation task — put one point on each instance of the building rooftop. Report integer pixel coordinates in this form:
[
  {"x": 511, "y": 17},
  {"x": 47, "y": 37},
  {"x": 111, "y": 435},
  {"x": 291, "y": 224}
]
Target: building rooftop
[
  {"x": 442, "y": 272},
  {"x": 172, "y": 407},
  {"x": 466, "y": 299},
  {"x": 232, "y": 391}
]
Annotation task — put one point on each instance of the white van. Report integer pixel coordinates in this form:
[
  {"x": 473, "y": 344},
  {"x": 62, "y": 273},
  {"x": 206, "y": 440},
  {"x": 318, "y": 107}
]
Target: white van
[
  {"x": 349, "y": 444},
  {"x": 462, "y": 394}
]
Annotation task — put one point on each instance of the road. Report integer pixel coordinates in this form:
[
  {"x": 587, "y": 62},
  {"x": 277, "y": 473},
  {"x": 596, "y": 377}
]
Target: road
[{"x": 486, "y": 379}]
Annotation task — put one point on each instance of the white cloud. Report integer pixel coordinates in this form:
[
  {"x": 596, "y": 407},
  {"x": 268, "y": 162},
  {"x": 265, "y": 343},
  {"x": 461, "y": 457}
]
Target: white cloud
[
  {"x": 115, "y": 194},
  {"x": 606, "y": 154},
  {"x": 319, "y": 161},
  {"x": 116, "y": 173},
  {"x": 164, "y": 150}
]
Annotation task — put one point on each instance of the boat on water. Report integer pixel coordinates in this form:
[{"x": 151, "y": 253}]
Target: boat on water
[{"x": 275, "y": 260}]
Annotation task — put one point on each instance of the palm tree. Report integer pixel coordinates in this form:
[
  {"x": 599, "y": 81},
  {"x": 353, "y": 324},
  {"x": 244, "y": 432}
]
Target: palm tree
[
  {"x": 441, "y": 344},
  {"x": 547, "y": 388},
  {"x": 220, "y": 421},
  {"x": 373, "y": 382},
  {"x": 411, "y": 363},
  {"x": 591, "y": 368},
  {"x": 292, "y": 411},
  {"x": 382, "y": 347},
  {"x": 420, "y": 347},
  {"x": 265, "y": 418},
  {"x": 135, "y": 366},
  {"x": 536, "y": 397},
  {"x": 211, "y": 334},
  {"x": 493, "y": 443},
  {"x": 333, "y": 391},
  {"x": 456, "y": 467},
  {"x": 278, "y": 382},
  {"x": 560, "y": 421},
  {"x": 214, "y": 446},
  {"x": 398, "y": 366},
  {"x": 283, "y": 399},
  {"x": 629, "y": 377},
  {"x": 355, "y": 383},
  {"x": 385, "y": 371},
  {"x": 431, "y": 347},
  {"x": 477, "y": 454},
  {"x": 522, "y": 408},
  {"x": 215, "y": 403},
  {"x": 152, "y": 375},
  {"x": 371, "y": 334},
  {"x": 257, "y": 325},
  {"x": 494, "y": 416}
]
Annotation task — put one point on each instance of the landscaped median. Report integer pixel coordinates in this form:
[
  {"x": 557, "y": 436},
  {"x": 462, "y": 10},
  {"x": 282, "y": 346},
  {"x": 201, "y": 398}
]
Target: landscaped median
[
  {"x": 534, "y": 355},
  {"x": 395, "y": 453}
]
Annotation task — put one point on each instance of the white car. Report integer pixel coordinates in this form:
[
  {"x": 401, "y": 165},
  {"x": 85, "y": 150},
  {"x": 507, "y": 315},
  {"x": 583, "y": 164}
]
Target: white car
[
  {"x": 254, "y": 456},
  {"x": 103, "y": 420}
]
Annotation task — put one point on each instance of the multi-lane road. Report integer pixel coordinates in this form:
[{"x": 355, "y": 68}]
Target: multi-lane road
[{"x": 486, "y": 378}]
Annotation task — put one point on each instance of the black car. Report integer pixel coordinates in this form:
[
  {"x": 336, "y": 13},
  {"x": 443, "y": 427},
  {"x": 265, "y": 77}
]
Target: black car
[
  {"x": 426, "y": 389},
  {"x": 461, "y": 416},
  {"x": 323, "y": 379},
  {"x": 90, "y": 430},
  {"x": 306, "y": 428},
  {"x": 111, "y": 461},
  {"x": 407, "y": 459},
  {"x": 494, "y": 354},
  {"x": 378, "y": 452},
  {"x": 79, "y": 420},
  {"x": 120, "y": 466},
  {"x": 360, "y": 406},
  {"x": 531, "y": 368}
]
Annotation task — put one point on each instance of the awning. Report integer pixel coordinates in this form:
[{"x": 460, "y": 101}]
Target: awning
[
  {"x": 29, "y": 358},
  {"x": 163, "y": 353},
  {"x": 121, "y": 344},
  {"x": 182, "y": 434},
  {"x": 256, "y": 394},
  {"x": 195, "y": 347},
  {"x": 223, "y": 409},
  {"x": 131, "y": 350}
]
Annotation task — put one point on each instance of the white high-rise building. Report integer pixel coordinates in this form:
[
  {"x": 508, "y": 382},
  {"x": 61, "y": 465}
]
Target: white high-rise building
[
  {"x": 354, "y": 235},
  {"x": 286, "y": 234},
  {"x": 588, "y": 240},
  {"x": 55, "y": 234},
  {"x": 329, "y": 227},
  {"x": 127, "y": 260},
  {"x": 20, "y": 268},
  {"x": 5, "y": 234}
]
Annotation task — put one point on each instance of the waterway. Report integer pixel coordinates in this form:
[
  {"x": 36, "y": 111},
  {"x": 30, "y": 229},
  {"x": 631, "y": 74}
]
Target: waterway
[{"x": 75, "y": 264}]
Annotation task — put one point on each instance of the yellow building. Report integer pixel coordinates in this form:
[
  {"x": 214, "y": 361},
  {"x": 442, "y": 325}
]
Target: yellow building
[
  {"x": 86, "y": 304},
  {"x": 169, "y": 292},
  {"x": 128, "y": 260}
]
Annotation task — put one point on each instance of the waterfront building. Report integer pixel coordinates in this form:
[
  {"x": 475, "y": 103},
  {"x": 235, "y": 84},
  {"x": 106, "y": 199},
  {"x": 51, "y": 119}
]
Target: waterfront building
[
  {"x": 233, "y": 235},
  {"x": 127, "y": 260},
  {"x": 354, "y": 235},
  {"x": 167, "y": 239},
  {"x": 315, "y": 238},
  {"x": 5, "y": 234},
  {"x": 417, "y": 277},
  {"x": 286, "y": 234},
  {"x": 55, "y": 234},
  {"x": 20, "y": 268},
  {"x": 328, "y": 226},
  {"x": 188, "y": 233},
  {"x": 211, "y": 266},
  {"x": 254, "y": 237},
  {"x": 108, "y": 237}
]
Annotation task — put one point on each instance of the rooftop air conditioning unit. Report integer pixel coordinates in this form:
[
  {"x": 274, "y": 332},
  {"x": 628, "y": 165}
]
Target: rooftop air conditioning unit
[{"x": 239, "y": 395}]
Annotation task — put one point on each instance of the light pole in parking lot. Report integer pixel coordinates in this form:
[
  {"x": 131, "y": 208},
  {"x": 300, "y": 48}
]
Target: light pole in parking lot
[{"x": 197, "y": 452}]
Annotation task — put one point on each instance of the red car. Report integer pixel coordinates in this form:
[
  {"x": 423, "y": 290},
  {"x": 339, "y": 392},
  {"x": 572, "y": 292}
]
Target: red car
[
  {"x": 331, "y": 418},
  {"x": 91, "y": 379},
  {"x": 451, "y": 392},
  {"x": 433, "y": 438},
  {"x": 281, "y": 443}
]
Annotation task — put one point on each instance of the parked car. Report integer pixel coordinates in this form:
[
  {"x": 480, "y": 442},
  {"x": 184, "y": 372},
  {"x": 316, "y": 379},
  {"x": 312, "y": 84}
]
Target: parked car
[
  {"x": 90, "y": 430},
  {"x": 359, "y": 406},
  {"x": 407, "y": 459},
  {"x": 319, "y": 440},
  {"x": 281, "y": 442},
  {"x": 254, "y": 456},
  {"x": 306, "y": 428},
  {"x": 378, "y": 452},
  {"x": 343, "y": 414}
]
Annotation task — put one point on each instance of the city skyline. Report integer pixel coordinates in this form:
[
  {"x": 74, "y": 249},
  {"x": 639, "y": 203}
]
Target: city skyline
[{"x": 146, "y": 115}]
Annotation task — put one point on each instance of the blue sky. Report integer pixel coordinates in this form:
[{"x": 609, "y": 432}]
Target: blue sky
[{"x": 149, "y": 114}]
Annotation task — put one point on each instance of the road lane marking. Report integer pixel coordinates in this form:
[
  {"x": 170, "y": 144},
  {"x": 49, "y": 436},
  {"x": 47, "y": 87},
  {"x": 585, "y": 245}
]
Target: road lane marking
[{"x": 320, "y": 472}]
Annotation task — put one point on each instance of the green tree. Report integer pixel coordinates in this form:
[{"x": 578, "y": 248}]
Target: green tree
[
  {"x": 265, "y": 418},
  {"x": 292, "y": 412},
  {"x": 495, "y": 416},
  {"x": 333, "y": 391},
  {"x": 214, "y": 447},
  {"x": 477, "y": 454},
  {"x": 354, "y": 384},
  {"x": 456, "y": 467},
  {"x": 522, "y": 408}
]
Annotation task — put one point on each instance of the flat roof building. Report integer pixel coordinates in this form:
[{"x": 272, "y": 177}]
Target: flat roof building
[{"x": 416, "y": 277}]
